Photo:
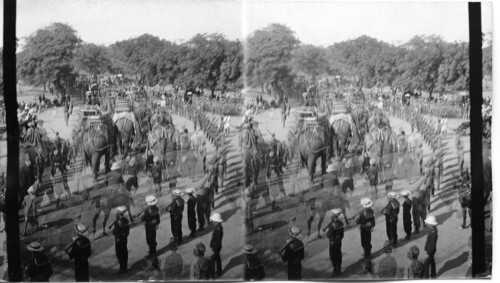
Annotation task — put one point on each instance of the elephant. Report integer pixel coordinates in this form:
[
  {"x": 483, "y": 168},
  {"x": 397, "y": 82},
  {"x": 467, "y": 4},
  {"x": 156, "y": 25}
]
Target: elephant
[
  {"x": 165, "y": 141},
  {"x": 314, "y": 141},
  {"x": 98, "y": 140},
  {"x": 378, "y": 120},
  {"x": 342, "y": 133},
  {"x": 127, "y": 131}
]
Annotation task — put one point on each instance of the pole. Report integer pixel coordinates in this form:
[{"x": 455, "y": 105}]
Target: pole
[
  {"x": 10, "y": 98},
  {"x": 476, "y": 136}
]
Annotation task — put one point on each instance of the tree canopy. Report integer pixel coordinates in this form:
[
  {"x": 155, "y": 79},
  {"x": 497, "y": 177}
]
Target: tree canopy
[{"x": 271, "y": 58}]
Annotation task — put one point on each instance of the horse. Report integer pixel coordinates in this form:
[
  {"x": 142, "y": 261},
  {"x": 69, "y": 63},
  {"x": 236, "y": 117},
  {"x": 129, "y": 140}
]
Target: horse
[
  {"x": 106, "y": 202},
  {"x": 321, "y": 205}
]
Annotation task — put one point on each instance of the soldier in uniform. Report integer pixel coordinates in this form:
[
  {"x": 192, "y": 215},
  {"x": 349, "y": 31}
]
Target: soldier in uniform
[
  {"x": 30, "y": 211},
  {"x": 121, "y": 231},
  {"x": 335, "y": 234},
  {"x": 191, "y": 211},
  {"x": 248, "y": 207},
  {"x": 216, "y": 244},
  {"x": 366, "y": 221},
  {"x": 430, "y": 247},
  {"x": 391, "y": 212},
  {"x": 254, "y": 267},
  {"x": 406, "y": 213},
  {"x": 151, "y": 217},
  {"x": 57, "y": 162},
  {"x": 175, "y": 209},
  {"x": 39, "y": 268},
  {"x": 293, "y": 253},
  {"x": 80, "y": 250},
  {"x": 156, "y": 174}
]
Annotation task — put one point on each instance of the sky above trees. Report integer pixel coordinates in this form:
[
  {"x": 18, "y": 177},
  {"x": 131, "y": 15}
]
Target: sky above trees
[{"x": 315, "y": 22}]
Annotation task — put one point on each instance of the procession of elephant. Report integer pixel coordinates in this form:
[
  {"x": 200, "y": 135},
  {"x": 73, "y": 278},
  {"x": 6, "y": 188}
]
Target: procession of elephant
[{"x": 121, "y": 128}]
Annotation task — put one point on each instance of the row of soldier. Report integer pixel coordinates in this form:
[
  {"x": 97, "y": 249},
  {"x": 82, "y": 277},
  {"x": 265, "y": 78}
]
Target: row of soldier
[{"x": 293, "y": 251}]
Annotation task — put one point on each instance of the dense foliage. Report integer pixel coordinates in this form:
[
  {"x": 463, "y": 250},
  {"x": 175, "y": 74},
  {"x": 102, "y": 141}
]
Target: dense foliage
[{"x": 271, "y": 58}]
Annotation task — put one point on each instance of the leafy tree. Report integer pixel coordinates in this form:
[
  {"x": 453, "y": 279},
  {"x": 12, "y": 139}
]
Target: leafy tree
[
  {"x": 310, "y": 60},
  {"x": 421, "y": 63},
  {"x": 48, "y": 55},
  {"x": 137, "y": 57},
  {"x": 487, "y": 56},
  {"x": 232, "y": 67},
  {"x": 358, "y": 59},
  {"x": 203, "y": 61},
  {"x": 267, "y": 55},
  {"x": 92, "y": 59},
  {"x": 454, "y": 70}
]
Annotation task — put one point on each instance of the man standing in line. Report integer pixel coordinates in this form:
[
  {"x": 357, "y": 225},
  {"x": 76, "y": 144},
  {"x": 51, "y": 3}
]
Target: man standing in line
[
  {"x": 121, "y": 231},
  {"x": 293, "y": 253},
  {"x": 366, "y": 221},
  {"x": 335, "y": 234},
  {"x": 430, "y": 247},
  {"x": 216, "y": 244},
  {"x": 80, "y": 250},
  {"x": 151, "y": 217},
  {"x": 176, "y": 208},
  {"x": 406, "y": 213},
  {"x": 191, "y": 211},
  {"x": 391, "y": 212}
]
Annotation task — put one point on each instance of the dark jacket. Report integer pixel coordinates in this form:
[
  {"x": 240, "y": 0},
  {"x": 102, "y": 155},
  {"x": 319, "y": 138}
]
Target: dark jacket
[
  {"x": 335, "y": 233},
  {"x": 176, "y": 207},
  {"x": 39, "y": 268},
  {"x": 80, "y": 249},
  {"x": 121, "y": 229},
  {"x": 391, "y": 211},
  {"x": 151, "y": 216},
  {"x": 254, "y": 268},
  {"x": 366, "y": 219},
  {"x": 216, "y": 242},
  {"x": 294, "y": 252},
  {"x": 430, "y": 243}
]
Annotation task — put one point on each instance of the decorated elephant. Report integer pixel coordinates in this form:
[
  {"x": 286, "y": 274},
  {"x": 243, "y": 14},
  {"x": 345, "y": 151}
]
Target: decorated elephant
[
  {"x": 342, "y": 133},
  {"x": 98, "y": 140},
  {"x": 314, "y": 141},
  {"x": 164, "y": 141}
]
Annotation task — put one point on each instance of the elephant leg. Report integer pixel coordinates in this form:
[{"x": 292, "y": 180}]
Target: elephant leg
[
  {"x": 95, "y": 163},
  {"x": 345, "y": 217},
  {"x": 130, "y": 214},
  {"x": 106, "y": 217},
  {"x": 323, "y": 163},
  {"x": 311, "y": 166},
  {"x": 309, "y": 222},
  {"x": 96, "y": 216},
  {"x": 321, "y": 218},
  {"x": 106, "y": 161}
]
